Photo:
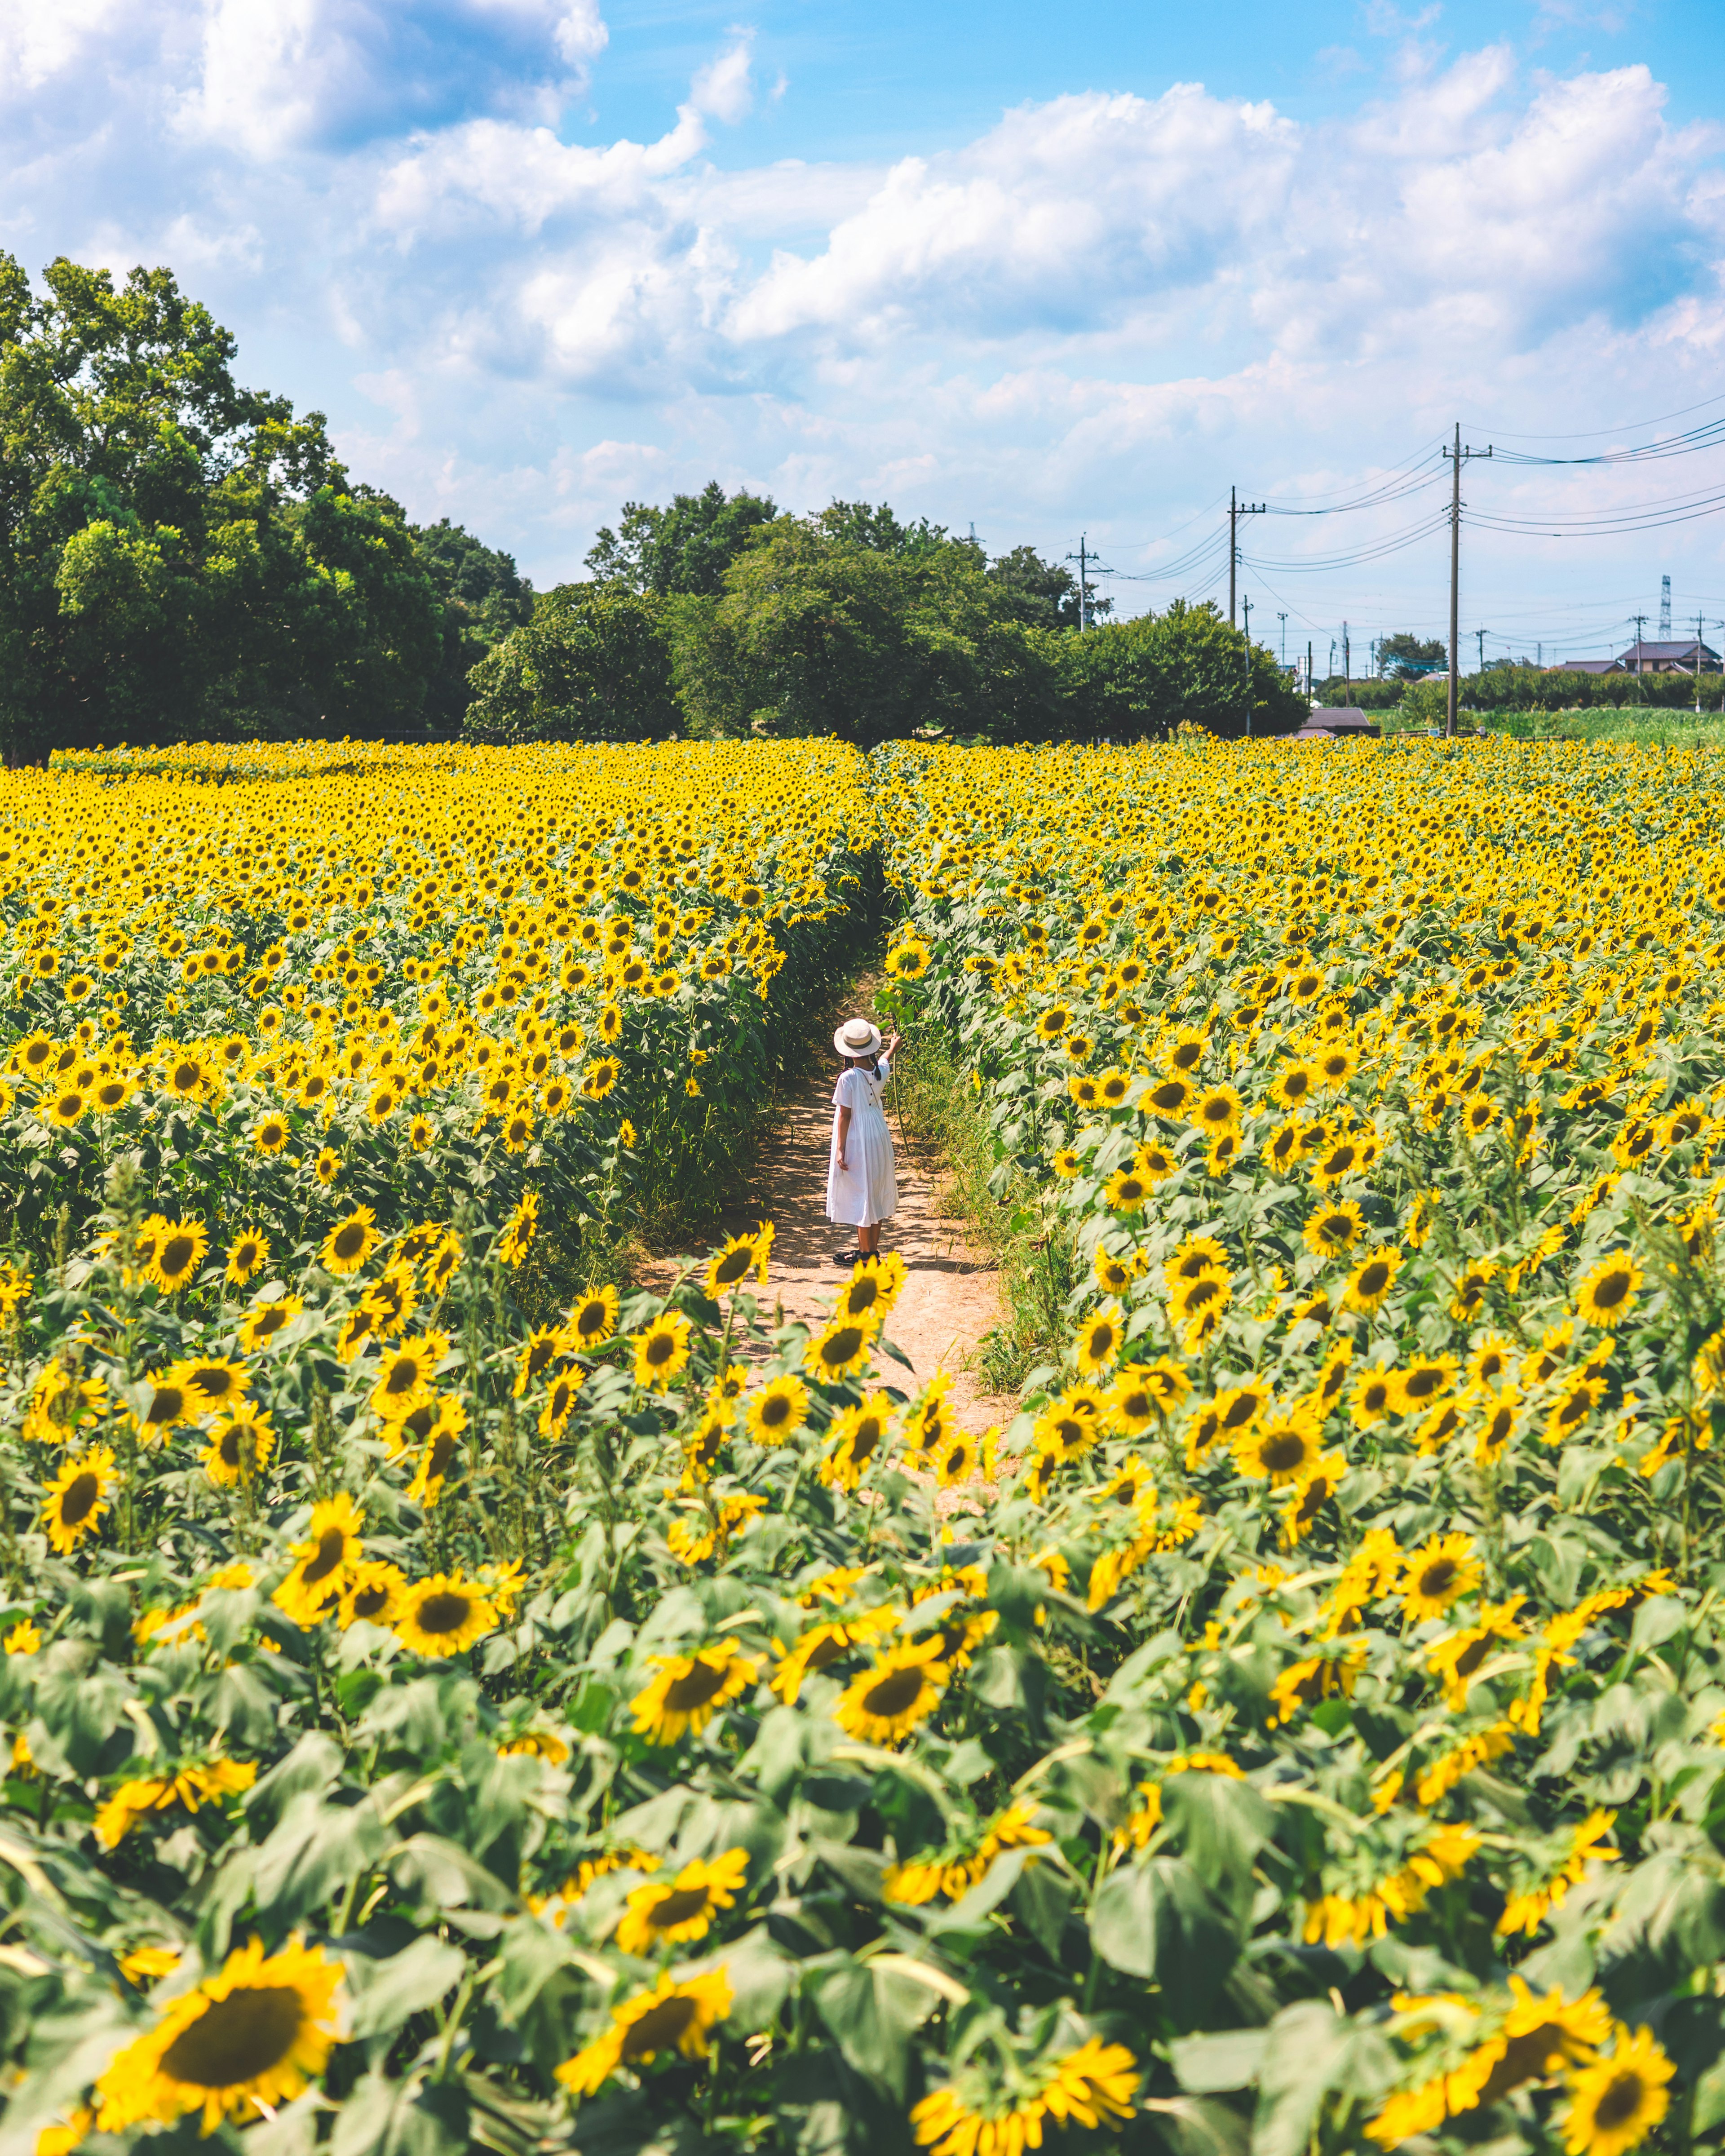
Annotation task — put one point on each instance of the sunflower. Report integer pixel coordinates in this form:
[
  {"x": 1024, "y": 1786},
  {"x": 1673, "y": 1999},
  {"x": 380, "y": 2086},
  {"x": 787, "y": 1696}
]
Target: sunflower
[
  {"x": 1070, "y": 1427},
  {"x": 1204, "y": 1295},
  {"x": 669, "y": 1912},
  {"x": 331, "y": 1548},
  {"x": 373, "y": 1593},
  {"x": 248, "y": 1255},
  {"x": 327, "y": 1165},
  {"x": 1100, "y": 1339},
  {"x": 350, "y": 1242},
  {"x": 442, "y": 1432},
  {"x": 63, "y": 1107},
  {"x": 902, "y": 1689},
  {"x": 239, "y": 1447},
  {"x": 858, "y": 1435},
  {"x": 875, "y": 1283},
  {"x": 1168, "y": 1096},
  {"x": 542, "y": 1347},
  {"x": 1143, "y": 1393},
  {"x": 77, "y": 1498},
  {"x": 1426, "y": 1378},
  {"x": 1126, "y": 1190},
  {"x": 390, "y": 1298},
  {"x": 443, "y": 1614},
  {"x": 406, "y": 1375},
  {"x": 1370, "y": 1283},
  {"x": 1334, "y": 1228},
  {"x": 661, "y": 1351},
  {"x": 841, "y": 1348},
  {"x": 179, "y": 1252},
  {"x": 1218, "y": 1109},
  {"x": 248, "y": 2039},
  {"x": 954, "y": 1459},
  {"x": 559, "y": 1402},
  {"x": 687, "y": 1691},
  {"x": 728, "y": 1268},
  {"x": 1373, "y": 1397},
  {"x": 211, "y": 1383},
  {"x": 778, "y": 1411},
  {"x": 1284, "y": 1446},
  {"x": 1293, "y": 1085},
  {"x": 593, "y": 1318},
  {"x": 1439, "y": 1574},
  {"x": 601, "y": 1078},
  {"x": 1616, "y": 2103},
  {"x": 676, "y": 2015},
  {"x": 1609, "y": 1291}
]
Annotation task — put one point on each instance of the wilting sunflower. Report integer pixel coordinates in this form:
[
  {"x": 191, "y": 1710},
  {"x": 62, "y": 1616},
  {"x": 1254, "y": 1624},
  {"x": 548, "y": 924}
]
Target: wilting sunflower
[
  {"x": 842, "y": 1348},
  {"x": 903, "y": 1688},
  {"x": 661, "y": 1351},
  {"x": 1091, "y": 2086},
  {"x": 406, "y": 1374},
  {"x": 350, "y": 1242},
  {"x": 248, "y": 1254},
  {"x": 1370, "y": 1283},
  {"x": 677, "y": 2015},
  {"x": 593, "y": 1319},
  {"x": 727, "y": 1269},
  {"x": 1609, "y": 1291},
  {"x": 685, "y": 1692},
  {"x": 1615, "y": 2102},
  {"x": 443, "y": 1614},
  {"x": 1286, "y": 1446},
  {"x": 248, "y": 2039},
  {"x": 240, "y": 1445},
  {"x": 77, "y": 1498},
  {"x": 179, "y": 1252},
  {"x": 1100, "y": 1339},
  {"x": 1439, "y": 1574},
  {"x": 858, "y": 1435},
  {"x": 330, "y": 1549},
  {"x": 778, "y": 1411},
  {"x": 677, "y": 1912}
]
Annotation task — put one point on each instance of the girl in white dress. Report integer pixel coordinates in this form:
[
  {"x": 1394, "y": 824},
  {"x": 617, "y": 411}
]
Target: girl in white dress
[{"x": 862, "y": 1189}]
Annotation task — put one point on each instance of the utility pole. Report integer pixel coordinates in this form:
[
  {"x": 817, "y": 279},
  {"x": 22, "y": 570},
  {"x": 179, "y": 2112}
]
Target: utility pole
[
  {"x": 1236, "y": 509},
  {"x": 1247, "y": 604},
  {"x": 1480, "y": 633},
  {"x": 1283, "y": 620},
  {"x": 1697, "y": 662},
  {"x": 1460, "y": 456},
  {"x": 1346, "y": 668},
  {"x": 1641, "y": 621},
  {"x": 1084, "y": 558},
  {"x": 1308, "y": 669}
]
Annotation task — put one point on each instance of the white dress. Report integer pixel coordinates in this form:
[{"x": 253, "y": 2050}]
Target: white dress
[{"x": 865, "y": 1189}]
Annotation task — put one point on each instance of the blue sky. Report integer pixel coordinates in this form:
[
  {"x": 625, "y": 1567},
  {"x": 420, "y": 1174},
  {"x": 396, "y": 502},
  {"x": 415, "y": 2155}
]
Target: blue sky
[{"x": 1053, "y": 273}]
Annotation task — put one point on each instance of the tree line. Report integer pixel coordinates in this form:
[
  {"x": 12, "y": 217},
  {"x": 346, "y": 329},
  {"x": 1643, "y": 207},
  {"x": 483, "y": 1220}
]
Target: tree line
[{"x": 184, "y": 558}]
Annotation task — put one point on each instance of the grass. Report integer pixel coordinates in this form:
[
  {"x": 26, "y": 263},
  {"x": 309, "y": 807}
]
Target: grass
[
  {"x": 946, "y": 1126},
  {"x": 1649, "y": 729}
]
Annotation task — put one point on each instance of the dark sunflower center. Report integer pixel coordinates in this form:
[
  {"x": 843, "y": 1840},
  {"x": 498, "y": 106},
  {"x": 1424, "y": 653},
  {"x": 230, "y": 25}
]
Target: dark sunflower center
[
  {"x": 443, "y": 1450},
  {"x": 443, "y": 1614},
  {"x": 894, "y": 1694},
  {"x": 1611, "y": 1291},
  {"x": 775, "y": 1412},
  {"x": 176, "y": 1254},
  {"x": 698, "y": 1688},
  {"x": 843, "y": 1345},
  {"x": 862, "y": 1294},
  {"x": 1284, "y": 1449},
  {"x": 678, "y": 1907},
  {"x": 168, "y": 1405},
  {"x": 1620, "y": 2103},
  {"x": 369, "y": 1600},
  {"x": 331, "y": 1548},
  {"x": 659, "y": 2029},
  {"x": 1241, "y": 1411},
  {"x": 403, "y": 1377},
  {"x": 590, "y": 1320},
  {"x": 733, "y": 1266},
  {"x": 213, "y": 1385},
  {"x": 868, "y": 1436},
  {"x": 237, "y": 2038},
  {"x": 1375, "y": 1278},
  {"x": 350, "y": 1241},
  {"x": 1423, "y": 1383},
  {"x": 1438, "y": 1577},
  {"x": 660, "y": 1348},
  {"x": 78, "y": 1500}
]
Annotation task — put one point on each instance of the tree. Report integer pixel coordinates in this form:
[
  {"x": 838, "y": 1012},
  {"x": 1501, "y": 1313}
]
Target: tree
[
  {"x": 1044, "y": 594},
  {"x": 483, "y": 599},
  {"x": 684, "y": 549},
  {"x": 1186, "y": 667},
  {"x": 820, "y": 633},
  {"x": 1408, "y": 656},
  {"x": 593, "y": 664},
  {"x": 178, "y": 555}
]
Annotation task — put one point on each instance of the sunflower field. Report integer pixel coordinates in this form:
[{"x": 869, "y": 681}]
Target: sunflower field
[{"x": 437, "y": 1721}]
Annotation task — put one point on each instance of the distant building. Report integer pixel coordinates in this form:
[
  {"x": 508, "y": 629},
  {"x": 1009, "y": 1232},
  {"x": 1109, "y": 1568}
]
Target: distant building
[{"x": 1667, "y": 658}]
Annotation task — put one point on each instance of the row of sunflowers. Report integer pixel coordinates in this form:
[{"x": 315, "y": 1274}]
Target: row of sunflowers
[
  {"x": 326, "y": 979},
  {"x": 1300, "y": 1727}
]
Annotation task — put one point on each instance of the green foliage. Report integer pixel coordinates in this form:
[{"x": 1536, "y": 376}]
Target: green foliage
[
  {"x": 178, "y": 556},
  {"x": 483, "y": 599},
  {"x": 1044, "y": 594},
  {"x": 1406, "y": 654},
  {"x": 1186, "y": 667},
  {"x": 593, "y": 664},
  {"x": 684, "y": 550}
]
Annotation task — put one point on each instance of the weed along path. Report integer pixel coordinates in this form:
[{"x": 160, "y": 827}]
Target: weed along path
[{"x": 950, "y": 1296}]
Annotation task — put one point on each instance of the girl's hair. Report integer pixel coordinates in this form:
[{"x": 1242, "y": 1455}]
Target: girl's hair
[{"x": 871, "y": 1064}]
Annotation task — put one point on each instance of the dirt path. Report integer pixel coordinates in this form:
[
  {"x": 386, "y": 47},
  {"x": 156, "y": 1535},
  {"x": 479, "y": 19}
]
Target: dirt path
[{"x": 950, "y": 1297}]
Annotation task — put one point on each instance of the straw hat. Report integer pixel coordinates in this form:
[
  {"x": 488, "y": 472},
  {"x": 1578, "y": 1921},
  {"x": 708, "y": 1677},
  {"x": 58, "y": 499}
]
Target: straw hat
[{"x": 857, "y": 1037}]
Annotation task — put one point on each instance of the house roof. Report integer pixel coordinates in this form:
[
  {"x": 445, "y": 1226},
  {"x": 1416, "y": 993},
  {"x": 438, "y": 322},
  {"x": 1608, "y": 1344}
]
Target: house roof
[
  {"x": 1587, "y": 666},
  {"x": 1667, "y": 655}
]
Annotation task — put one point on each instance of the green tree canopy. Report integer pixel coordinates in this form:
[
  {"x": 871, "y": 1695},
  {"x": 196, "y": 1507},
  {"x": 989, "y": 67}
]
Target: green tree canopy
[
  {"x": 1044, "y": 594},
  {"x": 593, "y": 664},
  {"x": 1410, "y": 656},
  {"x": 1186, "y": 667},
  {"x": 684, "y": 549},
  {"x": 178, "y": 555},
  {"x": 483, "y": 598}
]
